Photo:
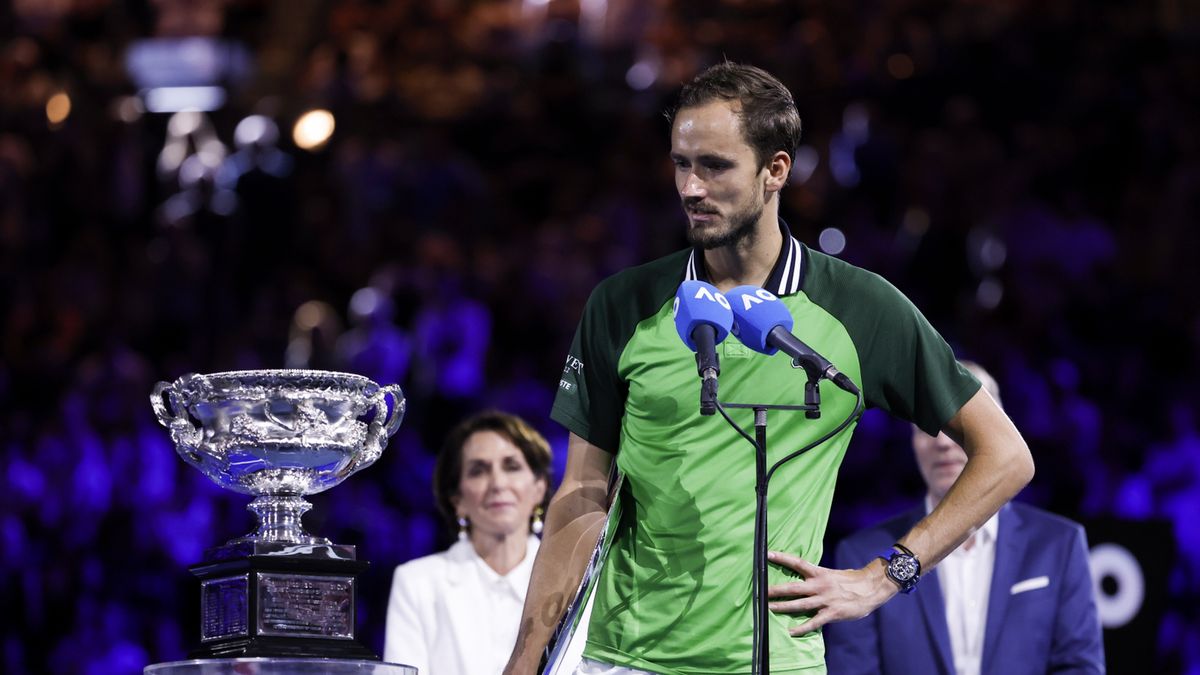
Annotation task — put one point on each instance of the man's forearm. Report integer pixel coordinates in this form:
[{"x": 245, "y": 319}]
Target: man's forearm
[
  {"x": 999, "y": 466},
  {"x": 985, "y": 485},
  {"x": 573, "y": 525}
]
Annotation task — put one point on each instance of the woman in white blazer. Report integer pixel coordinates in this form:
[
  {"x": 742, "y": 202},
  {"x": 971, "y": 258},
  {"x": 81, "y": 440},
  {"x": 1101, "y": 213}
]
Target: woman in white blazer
[{"x": 456, "y": 612}]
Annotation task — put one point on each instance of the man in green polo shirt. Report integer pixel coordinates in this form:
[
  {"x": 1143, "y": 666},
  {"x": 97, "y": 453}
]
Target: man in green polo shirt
[{"x": 674, "y": 595}]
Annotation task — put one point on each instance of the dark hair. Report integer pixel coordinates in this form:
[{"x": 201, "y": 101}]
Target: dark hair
[
  {"x": 448, "y": 472},
  {"x": 770, "y": 121}
]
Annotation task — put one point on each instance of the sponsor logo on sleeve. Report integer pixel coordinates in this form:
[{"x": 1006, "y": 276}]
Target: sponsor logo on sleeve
[
  {"x": 573, "y": 365},
  {"x": 571, "y": 370}
]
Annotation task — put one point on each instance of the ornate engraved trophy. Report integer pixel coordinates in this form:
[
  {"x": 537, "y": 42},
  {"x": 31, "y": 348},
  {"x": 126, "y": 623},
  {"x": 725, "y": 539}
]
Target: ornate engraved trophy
[{"x": 279, "y": 435}]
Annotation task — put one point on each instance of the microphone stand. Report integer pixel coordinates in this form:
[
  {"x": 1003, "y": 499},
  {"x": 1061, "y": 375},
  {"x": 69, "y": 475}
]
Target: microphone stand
[
  {"x": 762, "y": 649},
  {"x": 762, "y": 478}
]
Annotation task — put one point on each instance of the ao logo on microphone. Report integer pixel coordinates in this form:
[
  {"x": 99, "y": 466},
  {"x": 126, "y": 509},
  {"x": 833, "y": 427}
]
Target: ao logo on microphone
[
  {"x": 703, "y": 293},
  {"x": 760, "y": 296}
]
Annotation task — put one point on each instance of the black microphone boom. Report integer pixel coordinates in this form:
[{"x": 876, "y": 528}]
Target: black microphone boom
[{"x": 814, "y": 364}]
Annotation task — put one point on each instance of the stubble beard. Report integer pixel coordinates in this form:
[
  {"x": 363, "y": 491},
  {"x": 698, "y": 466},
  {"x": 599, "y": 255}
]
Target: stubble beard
[{"x": 742, "y": 229}]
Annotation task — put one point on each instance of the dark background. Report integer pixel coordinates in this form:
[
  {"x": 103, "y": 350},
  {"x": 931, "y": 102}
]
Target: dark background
[{"x": 1027, "y": 172}]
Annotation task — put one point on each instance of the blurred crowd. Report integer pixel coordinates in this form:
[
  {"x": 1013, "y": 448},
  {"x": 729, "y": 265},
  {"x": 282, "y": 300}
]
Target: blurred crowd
[{"x": 1028, "y": 172}]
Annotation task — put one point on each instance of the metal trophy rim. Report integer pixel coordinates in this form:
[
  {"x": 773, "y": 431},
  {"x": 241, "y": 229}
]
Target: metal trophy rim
[
  {"x": 279, "y": 511},
  {"x": 277, "y": 372}
]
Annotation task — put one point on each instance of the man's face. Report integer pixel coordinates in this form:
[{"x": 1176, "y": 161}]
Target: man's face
[
  {"x": 940, "y": 459},
  {"x": 717, "y": 175}
]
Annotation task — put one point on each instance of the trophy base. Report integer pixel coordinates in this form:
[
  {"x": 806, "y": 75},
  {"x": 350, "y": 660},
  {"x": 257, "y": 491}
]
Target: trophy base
[
  {"x": 269, "y": 599},
  {"x": 278, "y": 666},
  {"x": 281, "y": 647}
]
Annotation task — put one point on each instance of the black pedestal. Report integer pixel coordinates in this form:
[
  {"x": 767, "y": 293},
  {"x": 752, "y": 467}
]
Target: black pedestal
[{"x": 272, "y": 599}]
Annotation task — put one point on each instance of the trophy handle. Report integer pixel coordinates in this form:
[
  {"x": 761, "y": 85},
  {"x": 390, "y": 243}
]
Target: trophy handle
[
  {"x": 383, "y": 425},
  {"x": 161, "y": 412},
  {"x": 399, "y": 405},
  {"x": 174, "y": 417}
]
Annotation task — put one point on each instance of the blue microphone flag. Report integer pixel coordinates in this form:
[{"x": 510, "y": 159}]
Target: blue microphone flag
[
  {"x": 756, "y": 311},
  {"x": 698, "y": 303}
]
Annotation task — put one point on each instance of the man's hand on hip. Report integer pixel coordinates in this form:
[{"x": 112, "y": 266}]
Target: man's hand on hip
[{"x": 834, "y": 595}]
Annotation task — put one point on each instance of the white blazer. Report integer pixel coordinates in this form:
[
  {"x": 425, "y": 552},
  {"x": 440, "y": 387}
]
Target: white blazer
[{"x": 451, "y": 614}]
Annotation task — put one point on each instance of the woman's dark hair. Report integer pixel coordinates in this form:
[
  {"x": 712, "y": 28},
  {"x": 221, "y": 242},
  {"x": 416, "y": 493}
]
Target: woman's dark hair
[
  {"x": 769, "y": 117},
  {"x": 448, "y": 472}
]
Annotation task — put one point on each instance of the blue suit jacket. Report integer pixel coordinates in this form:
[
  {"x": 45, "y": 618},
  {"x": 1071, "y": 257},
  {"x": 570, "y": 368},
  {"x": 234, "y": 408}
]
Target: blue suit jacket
[{"x": 1046, "y": 625}]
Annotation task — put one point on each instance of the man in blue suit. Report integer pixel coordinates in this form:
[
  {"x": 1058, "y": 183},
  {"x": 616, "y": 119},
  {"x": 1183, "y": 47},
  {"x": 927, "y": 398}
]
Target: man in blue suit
[{"x": 1015, "y": 598}]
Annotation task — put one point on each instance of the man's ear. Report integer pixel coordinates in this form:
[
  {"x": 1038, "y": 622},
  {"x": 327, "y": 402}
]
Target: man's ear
[{"x": 778, "y": 168}]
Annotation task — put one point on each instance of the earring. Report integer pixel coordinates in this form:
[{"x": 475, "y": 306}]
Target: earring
[
  {"x": 463, "y": 523},
  {"x": 537, "y": 526}
]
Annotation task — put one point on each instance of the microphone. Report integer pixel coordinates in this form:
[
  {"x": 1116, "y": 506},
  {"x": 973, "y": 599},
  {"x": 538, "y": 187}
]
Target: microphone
[
  {"x": 703, "y": 319},
  {"x": 764, "y": 325}
]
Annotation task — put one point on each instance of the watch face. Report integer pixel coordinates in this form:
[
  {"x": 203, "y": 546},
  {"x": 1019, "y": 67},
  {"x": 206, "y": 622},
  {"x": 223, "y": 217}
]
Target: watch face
[{"x": 903, "y": 567}]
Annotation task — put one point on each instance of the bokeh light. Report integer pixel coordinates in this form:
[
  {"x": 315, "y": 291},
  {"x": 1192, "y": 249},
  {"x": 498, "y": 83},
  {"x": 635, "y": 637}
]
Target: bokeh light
[
  {"x": 58, "y": 108},
  {"x": 832, "y": 240},
  {"x": 313, "y": 129}
]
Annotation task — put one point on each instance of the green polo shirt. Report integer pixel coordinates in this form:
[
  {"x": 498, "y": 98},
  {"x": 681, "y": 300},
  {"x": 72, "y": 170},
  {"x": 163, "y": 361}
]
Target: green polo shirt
[{"x": 674, "y": 595}]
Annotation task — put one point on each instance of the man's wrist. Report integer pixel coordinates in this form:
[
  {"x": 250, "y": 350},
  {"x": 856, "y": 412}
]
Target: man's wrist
[{"x": 885, "y": 588}]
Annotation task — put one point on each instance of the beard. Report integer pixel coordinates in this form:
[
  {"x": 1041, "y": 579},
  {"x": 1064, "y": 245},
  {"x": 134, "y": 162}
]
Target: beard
[{"x": 741, "y": 228}]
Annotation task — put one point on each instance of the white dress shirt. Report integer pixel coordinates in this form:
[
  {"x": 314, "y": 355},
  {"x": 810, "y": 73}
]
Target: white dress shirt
[
  {"x": 965, "y": 577},
  {"x": 451, "y": 614}
]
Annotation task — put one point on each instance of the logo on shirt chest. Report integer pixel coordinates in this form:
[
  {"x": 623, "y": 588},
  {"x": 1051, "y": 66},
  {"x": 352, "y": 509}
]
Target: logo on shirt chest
[{"x": 735, "y": 350}]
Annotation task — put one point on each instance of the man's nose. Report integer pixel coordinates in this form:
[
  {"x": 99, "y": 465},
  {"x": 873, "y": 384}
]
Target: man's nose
[{"x": 693, "y": 187}]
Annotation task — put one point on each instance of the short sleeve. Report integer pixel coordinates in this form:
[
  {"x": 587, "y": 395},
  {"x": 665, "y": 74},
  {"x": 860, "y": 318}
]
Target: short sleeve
[
  {"x": 591, "y": 395},
  {"x": 908, "y": 368}
]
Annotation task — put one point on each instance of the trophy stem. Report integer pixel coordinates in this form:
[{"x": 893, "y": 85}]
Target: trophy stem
[{"x": 279, "y": 521}]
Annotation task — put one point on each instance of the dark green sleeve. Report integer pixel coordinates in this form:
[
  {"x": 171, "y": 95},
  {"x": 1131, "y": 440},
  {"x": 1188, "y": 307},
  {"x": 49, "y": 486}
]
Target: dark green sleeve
[
  {"x": 908, "y": 369},
  {"x": 591, "y": 396}
]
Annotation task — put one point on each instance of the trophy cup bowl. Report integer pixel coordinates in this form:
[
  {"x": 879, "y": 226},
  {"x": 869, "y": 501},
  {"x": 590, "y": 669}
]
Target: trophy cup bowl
[{"x": 278, "y": 435}]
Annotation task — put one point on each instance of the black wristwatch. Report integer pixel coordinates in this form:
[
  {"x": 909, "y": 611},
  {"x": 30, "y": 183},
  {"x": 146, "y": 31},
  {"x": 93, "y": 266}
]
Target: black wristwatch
[{"x": 902, "y": 567}]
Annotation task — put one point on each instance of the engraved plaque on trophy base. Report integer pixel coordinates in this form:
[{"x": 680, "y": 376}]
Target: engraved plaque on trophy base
[{"x": 278, "y": 599}]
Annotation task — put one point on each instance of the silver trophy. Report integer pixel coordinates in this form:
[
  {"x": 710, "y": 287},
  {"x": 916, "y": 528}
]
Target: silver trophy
[{"x": 279, "y": 435}]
